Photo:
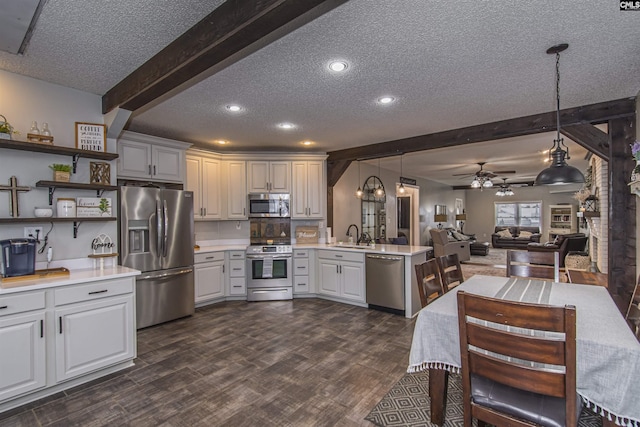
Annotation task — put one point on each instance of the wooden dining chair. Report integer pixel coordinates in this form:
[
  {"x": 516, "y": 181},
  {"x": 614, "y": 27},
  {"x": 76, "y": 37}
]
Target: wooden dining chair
[
  {"x": 541, "y": 265},
  {"x": 450, "y": 271},
  {"x": 429, "y": 282},
  {"x": 506, "y": 378},
  {"x": 633, "y": 312}
]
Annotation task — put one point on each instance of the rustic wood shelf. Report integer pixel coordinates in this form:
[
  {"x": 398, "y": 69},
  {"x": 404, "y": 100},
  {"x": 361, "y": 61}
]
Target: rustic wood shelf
[
  {"x": 52, "y": 185},
  {"x": 53, "y": 149}
]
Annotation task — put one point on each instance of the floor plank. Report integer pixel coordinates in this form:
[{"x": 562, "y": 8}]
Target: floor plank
[{"x": 304, "y": 362}]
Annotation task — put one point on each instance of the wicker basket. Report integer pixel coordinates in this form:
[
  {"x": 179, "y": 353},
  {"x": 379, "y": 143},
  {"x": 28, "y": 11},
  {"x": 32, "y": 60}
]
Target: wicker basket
[{"x": 577, "y": 262}]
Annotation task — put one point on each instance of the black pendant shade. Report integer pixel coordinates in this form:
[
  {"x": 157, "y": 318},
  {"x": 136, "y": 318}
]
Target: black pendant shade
[{"x": 559, "y": 172}]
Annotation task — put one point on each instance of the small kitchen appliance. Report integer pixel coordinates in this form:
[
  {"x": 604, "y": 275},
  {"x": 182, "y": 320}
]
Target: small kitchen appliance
[
  {"x": 269, "y": 205},
  {"x": 18, "y": 257}
]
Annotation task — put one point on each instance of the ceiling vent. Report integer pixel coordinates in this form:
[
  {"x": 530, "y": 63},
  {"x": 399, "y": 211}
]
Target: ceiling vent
[{"x": 17, "y": 21}]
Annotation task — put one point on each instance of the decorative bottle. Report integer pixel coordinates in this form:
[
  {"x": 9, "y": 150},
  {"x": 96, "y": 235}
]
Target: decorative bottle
[
  {"x": 45, "y": 130},
  {"x": 34, "y": 131}
]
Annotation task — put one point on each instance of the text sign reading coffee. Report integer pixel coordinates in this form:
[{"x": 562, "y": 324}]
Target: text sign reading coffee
[{"x": 90, "y": 136}]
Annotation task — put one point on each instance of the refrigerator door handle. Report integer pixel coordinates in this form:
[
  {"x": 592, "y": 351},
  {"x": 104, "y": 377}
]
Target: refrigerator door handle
[
  {"x": 163, "y": 275},
  {"x": 159, "y": 230},
  {"x": 165, "y": 216}
]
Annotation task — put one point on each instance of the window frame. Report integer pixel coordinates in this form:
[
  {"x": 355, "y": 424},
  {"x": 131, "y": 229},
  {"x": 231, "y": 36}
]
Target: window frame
[{"x": 517, "y": 216}]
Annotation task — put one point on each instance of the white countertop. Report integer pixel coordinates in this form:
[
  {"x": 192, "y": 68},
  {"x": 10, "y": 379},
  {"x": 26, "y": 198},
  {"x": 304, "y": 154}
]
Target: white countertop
[
  {"x": 378, "y": 249},
  {"x": 87, "y": 275}
]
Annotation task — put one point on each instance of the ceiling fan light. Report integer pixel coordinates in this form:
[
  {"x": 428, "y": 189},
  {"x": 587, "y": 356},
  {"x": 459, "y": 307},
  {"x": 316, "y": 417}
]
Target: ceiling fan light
[
  {"x": 508, "y": 192},
  {"x": 475, "y": 183},
  {"x": 487, "y": 184}
]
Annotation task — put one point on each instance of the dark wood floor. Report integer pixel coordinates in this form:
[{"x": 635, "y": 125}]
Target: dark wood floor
[{"x": 285, "y": 363}]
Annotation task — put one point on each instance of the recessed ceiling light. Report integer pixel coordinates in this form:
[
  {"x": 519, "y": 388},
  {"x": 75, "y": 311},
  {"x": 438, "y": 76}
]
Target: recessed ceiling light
[
  {"x": 307, "y": 142},
  {"x": 386, "y": 100},
  {"x": 286, "y": 125},
  {"x": 338, "y": 66},
  {"x": 234, "y": 108},
  {"x": 221, "y": 142}
]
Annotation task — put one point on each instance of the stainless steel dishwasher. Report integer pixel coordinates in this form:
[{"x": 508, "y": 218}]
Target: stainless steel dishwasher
[{"x": 385, "y": 282}]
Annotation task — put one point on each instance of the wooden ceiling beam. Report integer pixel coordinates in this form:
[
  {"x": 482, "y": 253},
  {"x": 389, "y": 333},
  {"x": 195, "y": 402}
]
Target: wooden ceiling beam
[
  {"x": 231, "y": 32},
  {"x": 589, "y": 137},
  {"x": 538, "y": 123}
]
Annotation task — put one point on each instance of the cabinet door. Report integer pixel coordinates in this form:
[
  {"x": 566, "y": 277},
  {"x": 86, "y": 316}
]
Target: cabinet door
[
  {"x": 211, "y": 198},
  {"x": 209, "y": 280},
  {"x": 90, "y": 336},
  {"x": 280, "y": 177},
  {"x": 299, "y": 190},
  {"x": 352, "y": 278},
  {"x": 167, "y": 163},
  {"x": 192, "y": 183},
  {"x": 237, "y": 190},
  {"x": 134, "y": 159},
  {"x": 22, "y": 358},
  {"x": 329, "y": 276},
  {"x": 258, "y": 177},
  {"x": 315, "y": 184}
]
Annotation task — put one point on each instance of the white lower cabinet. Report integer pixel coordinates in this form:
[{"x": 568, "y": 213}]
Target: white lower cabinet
[
  {"x": 302, "y": 272},
  {"x": 237, "y": 275},
  {"x": 22, "y": 338},
  {"x": 209, "y": 276},
  {"x": 341, "y": 275},
  {"x": 92, "y": 335}
]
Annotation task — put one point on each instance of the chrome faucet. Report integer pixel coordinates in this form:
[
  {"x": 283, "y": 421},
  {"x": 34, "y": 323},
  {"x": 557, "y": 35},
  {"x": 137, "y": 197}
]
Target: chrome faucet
[{"x": 349, "y": 232}]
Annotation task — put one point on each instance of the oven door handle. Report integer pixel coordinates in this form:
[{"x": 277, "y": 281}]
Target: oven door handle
[{"x": 275, "y": 257}]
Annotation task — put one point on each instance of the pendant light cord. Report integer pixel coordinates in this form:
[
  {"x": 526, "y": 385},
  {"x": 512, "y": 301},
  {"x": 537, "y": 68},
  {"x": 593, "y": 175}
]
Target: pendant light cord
[{"x": 558, "y": 95}]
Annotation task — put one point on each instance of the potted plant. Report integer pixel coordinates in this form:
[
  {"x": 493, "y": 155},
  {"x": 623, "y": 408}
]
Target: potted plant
[
  {"x": 61, "y": 173},
  {"x": 6, "y": 130}
]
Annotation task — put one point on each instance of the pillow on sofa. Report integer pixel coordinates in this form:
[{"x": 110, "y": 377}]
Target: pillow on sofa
[
  {"x": 524, "y": 235},
  {"x": 459, "y": 236},
  {"x": 504, "y": 233}
]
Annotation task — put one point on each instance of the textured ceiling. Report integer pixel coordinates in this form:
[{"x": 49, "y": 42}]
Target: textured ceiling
[{"x": 448, "y": 64}]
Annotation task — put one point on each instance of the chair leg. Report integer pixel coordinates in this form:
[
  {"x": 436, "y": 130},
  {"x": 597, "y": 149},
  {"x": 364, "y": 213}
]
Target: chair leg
[{"x": 482, "y": 424}]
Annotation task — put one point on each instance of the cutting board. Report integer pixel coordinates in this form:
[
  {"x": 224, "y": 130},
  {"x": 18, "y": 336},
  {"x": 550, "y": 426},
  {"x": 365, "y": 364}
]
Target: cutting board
[{"x": 306, "y": 234}]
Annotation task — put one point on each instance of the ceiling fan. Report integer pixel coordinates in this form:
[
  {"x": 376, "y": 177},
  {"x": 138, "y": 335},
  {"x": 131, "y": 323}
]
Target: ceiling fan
[{"x": 482, "y": 178}]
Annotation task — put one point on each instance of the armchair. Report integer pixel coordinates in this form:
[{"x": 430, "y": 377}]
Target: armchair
[
  {"x": 442, "y": 245},
  {"x": 564, "y": 243}
]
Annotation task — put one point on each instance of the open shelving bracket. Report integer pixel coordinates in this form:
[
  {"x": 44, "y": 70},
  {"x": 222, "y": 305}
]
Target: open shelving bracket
[
  {"x": 52, "y": 190},
  {"x": 75, "y": 161},
  {"x": 76, "y": 225},
  {"x": 99, "y": 193}
]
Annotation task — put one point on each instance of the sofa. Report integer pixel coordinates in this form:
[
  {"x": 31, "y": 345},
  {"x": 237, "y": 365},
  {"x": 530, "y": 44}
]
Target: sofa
[
  {"x": 516, "y": 238},
  {"x": 563, "y": 243},
  {"x": 443, "y": 245}
]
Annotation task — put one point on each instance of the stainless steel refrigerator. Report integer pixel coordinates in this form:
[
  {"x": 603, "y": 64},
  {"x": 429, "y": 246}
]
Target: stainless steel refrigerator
[{"x": 156, "y": 237}]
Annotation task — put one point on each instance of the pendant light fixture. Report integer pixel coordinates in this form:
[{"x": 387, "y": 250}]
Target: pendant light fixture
[
  {"x": 401, "y": 189},
  {"x": 380, "y": 190},
  {"x": 559, "y": 172},
  {"x": 359, "y": 190}
]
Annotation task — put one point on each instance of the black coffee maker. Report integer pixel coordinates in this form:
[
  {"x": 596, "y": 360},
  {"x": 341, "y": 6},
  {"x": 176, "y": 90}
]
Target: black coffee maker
[{"x": 18, "y": 257}]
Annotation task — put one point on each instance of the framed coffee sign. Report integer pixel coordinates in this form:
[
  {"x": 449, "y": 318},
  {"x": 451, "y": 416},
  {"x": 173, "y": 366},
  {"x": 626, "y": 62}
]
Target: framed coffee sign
[{"x": 91, "y": 136}]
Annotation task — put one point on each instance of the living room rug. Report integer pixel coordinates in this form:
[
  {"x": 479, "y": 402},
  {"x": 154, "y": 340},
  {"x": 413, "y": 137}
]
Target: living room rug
[
  {"x": 496, "y": 257},
  {"x": 408, "y": 404}
]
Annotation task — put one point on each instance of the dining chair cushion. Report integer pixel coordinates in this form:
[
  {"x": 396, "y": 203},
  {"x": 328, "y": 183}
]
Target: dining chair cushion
[{"x": 539, "y": 409}]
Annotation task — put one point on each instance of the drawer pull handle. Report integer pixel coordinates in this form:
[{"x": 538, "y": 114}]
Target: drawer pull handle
[
  {"x": 3, "y": 307},
  {"x": 301, "y": 267},
  {"x": 41, "y": 328},
  {"x": 237, "y": 286},
  {"x": 338, "y": 256},
  {"x": 99, "y": 292},
  {"x": 237, "y": 269},
  {"x": 60, "y": 323},
  {"x": 210, "y": 257}
]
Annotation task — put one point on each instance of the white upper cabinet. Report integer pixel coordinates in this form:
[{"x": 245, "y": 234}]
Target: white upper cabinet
[
  {"x": 236, "y": 175},
  {"x": 269, "y": 177},
  {"x": 308, "y": 195},
  {"x": 147, "y": 157},
  {"x": 203, "y": 178}
]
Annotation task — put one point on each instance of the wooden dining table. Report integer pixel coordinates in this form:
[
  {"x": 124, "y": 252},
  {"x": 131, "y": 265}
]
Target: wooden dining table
[
  {"x": 608, "y": 354},
  {"x": 587, "y": 277}
]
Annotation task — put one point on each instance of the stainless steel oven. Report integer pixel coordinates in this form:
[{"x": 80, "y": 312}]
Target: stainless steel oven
[
  {"x": 269, "y": 273},
  {"x": 269, "y": 205}
]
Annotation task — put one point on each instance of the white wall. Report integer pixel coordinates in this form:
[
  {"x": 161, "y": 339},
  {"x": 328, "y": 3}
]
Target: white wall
[{"x": 22, "y": 100}]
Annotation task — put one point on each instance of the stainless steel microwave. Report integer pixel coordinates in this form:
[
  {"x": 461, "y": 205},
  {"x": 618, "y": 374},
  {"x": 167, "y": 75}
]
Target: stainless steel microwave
[{"x": 269, "y": 205}]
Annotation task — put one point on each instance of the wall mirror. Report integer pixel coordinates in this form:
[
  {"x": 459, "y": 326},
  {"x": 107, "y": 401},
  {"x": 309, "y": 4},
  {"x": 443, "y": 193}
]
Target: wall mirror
[{"x": 373, "y": 211}]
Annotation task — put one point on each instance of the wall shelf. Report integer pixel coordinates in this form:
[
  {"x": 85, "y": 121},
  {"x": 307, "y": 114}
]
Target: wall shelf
[
  {"x": 76, "y": 221},
  {"x": 75, "y": 153},
  {"x": 52, "y": 185}
]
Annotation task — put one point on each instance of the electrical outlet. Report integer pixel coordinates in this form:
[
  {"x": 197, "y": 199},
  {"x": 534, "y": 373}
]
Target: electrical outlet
[
  {"x": 33, "y": 232},
  {"x": 238, "y": 226}
]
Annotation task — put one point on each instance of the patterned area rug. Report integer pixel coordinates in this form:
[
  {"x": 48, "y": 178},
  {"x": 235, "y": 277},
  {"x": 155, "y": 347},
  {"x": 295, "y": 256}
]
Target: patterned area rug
[
  {"x": 407, "y": 404},
  {"x": 496, "y": 257}
]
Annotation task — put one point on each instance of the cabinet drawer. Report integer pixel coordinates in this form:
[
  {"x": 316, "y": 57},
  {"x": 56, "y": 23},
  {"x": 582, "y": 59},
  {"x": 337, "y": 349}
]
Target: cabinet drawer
[
  {"x": 300, "y": 284},
  {"x": 237, "y": 286},
  {"x": 236, "y": 268},
  {"x": 91, "y": 291},
  {"x": 301, "y": 266},
  {"x": 19, "y": 303},
  {"x": 341, "y": 255},
  {"x": 301, "y": 253},
  {"x": 208, "y": 257},
  {"x": 236, "y": 254}
]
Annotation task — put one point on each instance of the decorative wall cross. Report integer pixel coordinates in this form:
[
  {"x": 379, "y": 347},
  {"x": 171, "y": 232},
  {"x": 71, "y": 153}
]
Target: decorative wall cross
[{"x": 13, "y": 187}]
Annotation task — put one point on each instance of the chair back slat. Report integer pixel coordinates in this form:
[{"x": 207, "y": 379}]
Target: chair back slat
[
  {"x": 429, "y": 282},
  {"x": 517, "y": 376},
  {"x": 533, "y": 348},
  {"x": 542, "y": 265},
  {"x": 450, "y": 271}
]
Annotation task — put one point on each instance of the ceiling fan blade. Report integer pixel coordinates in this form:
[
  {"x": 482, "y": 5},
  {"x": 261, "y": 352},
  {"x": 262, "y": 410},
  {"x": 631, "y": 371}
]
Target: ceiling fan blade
[
  {"x": 502, "y": 172},
  {"x": 463, "y": 174}
]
